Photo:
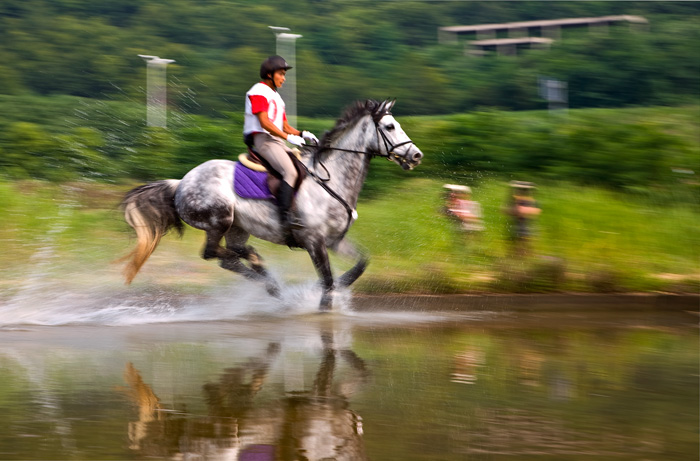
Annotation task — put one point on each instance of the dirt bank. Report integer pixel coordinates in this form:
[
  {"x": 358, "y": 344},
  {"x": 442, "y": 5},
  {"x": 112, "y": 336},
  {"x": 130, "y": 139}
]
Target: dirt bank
[{"x": 532, "y": 302}]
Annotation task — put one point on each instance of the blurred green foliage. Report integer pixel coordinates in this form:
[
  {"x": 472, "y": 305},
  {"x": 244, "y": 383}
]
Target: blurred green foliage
[
  {"x": 635, "y": 149},
  {"x": 72, "y": 91},
  {"x": 349, "y": 50}
]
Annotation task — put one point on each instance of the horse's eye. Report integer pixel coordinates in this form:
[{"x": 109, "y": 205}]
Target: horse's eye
[{"x": 390, "y": 127}]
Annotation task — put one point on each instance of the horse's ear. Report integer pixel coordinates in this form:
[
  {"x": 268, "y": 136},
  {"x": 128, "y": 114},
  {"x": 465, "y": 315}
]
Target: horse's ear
[
  {"x": 379, "y": 111},
  {"x": 383, "y": 109},
  {"x": 388, "y": 105}
]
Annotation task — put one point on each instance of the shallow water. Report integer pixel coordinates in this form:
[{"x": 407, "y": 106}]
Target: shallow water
[{"x": 226, "y": 377}]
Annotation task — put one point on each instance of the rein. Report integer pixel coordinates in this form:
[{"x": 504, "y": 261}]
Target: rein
[
  {"x": 352, "y": 214},
  {"x": 389, "y": 155}
]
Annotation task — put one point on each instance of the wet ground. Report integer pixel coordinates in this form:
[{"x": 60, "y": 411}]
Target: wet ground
[{"x": 159, "y": 376}]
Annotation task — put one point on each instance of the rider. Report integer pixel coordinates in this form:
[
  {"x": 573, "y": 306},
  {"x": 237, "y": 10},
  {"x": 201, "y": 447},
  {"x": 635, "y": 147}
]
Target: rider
[{"x": 266, "y": 128}]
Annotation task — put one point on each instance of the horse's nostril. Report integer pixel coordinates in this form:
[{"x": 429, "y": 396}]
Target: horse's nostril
[{"x": 417, "y": 156}]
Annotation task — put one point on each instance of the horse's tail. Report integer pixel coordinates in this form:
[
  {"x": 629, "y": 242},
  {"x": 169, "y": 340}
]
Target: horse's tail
[{"x": 150, "y": 211}]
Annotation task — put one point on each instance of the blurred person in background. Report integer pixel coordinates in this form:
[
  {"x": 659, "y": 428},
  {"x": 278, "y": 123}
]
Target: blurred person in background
[
  {"x": 522, "y": 209},
  {"x": 266, "y": 128},
  {"x": 460, "y": 206}
]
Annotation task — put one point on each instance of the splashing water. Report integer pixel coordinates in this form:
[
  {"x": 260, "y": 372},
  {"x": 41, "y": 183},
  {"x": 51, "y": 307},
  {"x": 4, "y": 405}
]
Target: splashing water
[{"x": 46, "y": 303}]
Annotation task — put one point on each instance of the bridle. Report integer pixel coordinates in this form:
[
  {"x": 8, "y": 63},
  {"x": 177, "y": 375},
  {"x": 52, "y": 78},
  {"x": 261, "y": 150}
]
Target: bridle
[
  {"x": 389, "y": 153},
  {"x": 389, "y": 148}
]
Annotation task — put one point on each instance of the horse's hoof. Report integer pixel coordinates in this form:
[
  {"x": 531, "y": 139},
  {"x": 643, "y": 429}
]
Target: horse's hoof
[{"x": 326, "y": 304}]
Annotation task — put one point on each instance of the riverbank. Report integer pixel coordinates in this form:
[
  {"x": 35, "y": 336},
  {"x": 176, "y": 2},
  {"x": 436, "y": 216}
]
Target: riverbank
[{"x": 560, "y": 302}]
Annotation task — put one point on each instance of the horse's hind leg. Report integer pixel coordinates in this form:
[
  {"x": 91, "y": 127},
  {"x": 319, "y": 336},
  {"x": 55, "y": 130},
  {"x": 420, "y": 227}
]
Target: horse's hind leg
[
  {"x": 230, "y": 257},
  {"x": 235, "y": 243},
  {"x": 212, "y": 245}
]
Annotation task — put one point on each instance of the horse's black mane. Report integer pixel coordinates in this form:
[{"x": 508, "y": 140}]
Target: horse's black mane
[{"x": 351, "y": 114}]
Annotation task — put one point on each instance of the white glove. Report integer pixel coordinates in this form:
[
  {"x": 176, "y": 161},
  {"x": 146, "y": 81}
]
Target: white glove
[
  {"x": 296, "y": 140},
  {"x": 309, "y": 136}
]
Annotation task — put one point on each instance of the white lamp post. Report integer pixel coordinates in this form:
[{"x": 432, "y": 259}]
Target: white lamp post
[
  {"x": 156, "y": 90},
  {"x": 286, "y": 47}
]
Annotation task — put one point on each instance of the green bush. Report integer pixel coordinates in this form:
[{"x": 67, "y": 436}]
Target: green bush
[{"x": 636, "y": 150}]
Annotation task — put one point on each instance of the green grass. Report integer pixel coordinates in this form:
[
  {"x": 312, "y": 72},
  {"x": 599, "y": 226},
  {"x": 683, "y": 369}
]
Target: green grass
[{"x": 587, "y": 239}]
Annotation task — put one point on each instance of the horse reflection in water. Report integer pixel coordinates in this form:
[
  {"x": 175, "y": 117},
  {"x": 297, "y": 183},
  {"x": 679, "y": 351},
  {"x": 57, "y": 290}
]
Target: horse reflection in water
[{"x": 313, "y": 424}]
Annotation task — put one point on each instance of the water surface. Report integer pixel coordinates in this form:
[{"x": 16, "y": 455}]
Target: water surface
[{"x": 566, "y": 384}]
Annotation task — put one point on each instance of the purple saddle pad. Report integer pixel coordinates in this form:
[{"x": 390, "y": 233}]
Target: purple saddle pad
[
  {"x": 249, "y": 183},
  {"x": 258, "y": 453}
]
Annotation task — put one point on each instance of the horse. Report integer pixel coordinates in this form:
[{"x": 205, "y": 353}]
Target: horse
[{"x": 325, "y": 202}]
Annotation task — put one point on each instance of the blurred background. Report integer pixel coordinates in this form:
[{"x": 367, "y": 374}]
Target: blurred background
[{"x": 601, "y": 115}]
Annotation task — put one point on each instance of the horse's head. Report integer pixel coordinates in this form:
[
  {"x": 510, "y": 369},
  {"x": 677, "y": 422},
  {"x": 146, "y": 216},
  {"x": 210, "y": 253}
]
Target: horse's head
[{"x": 392, "y": 141}]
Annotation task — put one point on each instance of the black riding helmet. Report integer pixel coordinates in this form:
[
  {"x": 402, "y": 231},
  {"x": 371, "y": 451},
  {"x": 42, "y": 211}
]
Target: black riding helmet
[{"x": 272, "y": 65}]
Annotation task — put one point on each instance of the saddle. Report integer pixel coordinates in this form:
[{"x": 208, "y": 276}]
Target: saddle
[{"x": 255, "y": 162}]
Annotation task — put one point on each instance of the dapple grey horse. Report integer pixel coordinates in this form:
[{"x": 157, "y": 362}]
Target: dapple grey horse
[{"x": 325, "y": 202}]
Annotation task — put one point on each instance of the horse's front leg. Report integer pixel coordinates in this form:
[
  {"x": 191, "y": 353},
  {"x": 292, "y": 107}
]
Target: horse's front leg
[
  {"x": 348, "y": 250},
  {"x": 319, "y": 257}
]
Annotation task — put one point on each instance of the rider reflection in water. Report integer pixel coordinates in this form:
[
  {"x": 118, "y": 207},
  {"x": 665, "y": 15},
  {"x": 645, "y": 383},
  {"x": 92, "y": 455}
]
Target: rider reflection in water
[{"x": 266, "y": 128}]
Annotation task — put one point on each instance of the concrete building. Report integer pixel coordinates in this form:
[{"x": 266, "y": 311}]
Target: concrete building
[
  {"x": 506, "y": 46},
  {"x": 507, "y": 38}
]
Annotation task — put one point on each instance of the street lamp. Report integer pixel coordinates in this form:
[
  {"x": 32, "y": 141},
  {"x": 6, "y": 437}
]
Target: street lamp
[
  {"x": 156, "y": 90},
  {"x": 286, "y": 47}
]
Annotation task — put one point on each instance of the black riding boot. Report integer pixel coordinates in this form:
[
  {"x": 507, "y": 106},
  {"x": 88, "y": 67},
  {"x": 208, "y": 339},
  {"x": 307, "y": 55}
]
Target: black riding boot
[{"x": 289, "y": 223}]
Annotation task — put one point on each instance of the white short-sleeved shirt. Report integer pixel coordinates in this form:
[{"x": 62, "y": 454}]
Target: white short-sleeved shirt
[{"x": 263, "y": 98}]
